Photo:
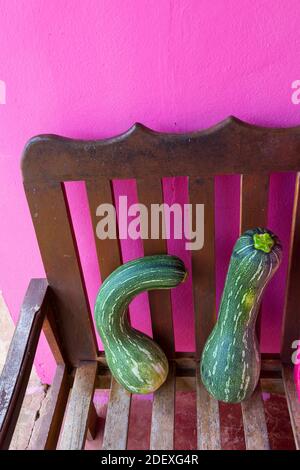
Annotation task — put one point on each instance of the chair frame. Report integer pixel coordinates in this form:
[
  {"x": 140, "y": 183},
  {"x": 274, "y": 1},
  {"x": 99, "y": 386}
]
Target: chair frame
[{"x": 59, "y": 304}]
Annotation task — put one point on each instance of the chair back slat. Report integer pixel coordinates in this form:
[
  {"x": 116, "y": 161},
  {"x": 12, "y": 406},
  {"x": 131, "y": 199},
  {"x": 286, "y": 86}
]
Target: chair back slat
[
  {"x": 150, "y": 192},
  {"x": 291, "y": 314},
  {"x": 99, "y": 192},
  {"x": 254, "y": 210},
  {"x": 201, "y": 191},
  {"x": 254, "y": 201},
  {"x": 54, "y": 231}
]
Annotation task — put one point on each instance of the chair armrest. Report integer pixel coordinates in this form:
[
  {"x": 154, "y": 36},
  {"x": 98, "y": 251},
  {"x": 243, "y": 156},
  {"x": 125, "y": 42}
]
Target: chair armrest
[{"x": 18, "y": 365}]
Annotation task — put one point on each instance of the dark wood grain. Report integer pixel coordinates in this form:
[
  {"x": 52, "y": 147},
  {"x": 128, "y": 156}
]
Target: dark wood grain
[
  {"x": 150, "y": 192},
  {"x": 46, "y": 431},
  {"x": 163, "y": 413},
  {"x": 255, "y": 428},
  {"x": 293, "y": 401},
  {"x": 202, "y": 191},
  {"x": 78, "y": 412},
  {"x": 291, "y": 314},
  {"x": 93, "y": 423},
  {"x": 108, "y": 251},
  {"x": 52, "y": 333},
  {"x": 58, "y": 248},
  {"x": 208, "y": 418},
  {"x": 231, "y": 146},
  {"x": 51, "y": 338},
  {"x": 254, "y": 201},
  {"x": 254, "y": 211},
  {"x": 17, "y": 368},
  {"x": 117, "y": 418}
]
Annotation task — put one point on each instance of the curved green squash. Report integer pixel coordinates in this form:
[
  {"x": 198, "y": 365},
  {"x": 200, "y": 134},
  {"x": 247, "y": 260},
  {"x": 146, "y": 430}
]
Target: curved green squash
[
  {"x": 230, "y": 364},
  {"x": 134, "y": 359}
]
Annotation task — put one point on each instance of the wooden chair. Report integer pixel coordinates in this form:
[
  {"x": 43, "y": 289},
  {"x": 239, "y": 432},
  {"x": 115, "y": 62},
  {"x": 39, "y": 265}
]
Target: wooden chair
[{"x": 59, "y": 305}]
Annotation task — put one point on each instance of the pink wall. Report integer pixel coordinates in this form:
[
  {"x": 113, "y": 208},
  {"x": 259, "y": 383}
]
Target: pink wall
[{"x": 90, "y": 69}]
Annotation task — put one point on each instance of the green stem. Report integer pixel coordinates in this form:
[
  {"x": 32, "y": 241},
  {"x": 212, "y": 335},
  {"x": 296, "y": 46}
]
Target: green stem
[{"x": 263, "y": 242}]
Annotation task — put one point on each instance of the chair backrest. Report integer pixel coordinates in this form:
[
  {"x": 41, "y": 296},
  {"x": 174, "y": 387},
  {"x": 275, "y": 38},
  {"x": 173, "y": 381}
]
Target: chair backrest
[{"x": 231, "y": 147}]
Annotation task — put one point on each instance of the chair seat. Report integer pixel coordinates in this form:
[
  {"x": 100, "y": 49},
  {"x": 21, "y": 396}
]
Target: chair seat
[{"x": 70, "y": 413}]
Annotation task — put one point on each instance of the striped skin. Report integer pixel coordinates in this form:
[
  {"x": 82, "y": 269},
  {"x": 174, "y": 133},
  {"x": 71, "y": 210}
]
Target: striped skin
[
  {"x": 134, "y": 359},
  {"x": 230, "y": 364}
]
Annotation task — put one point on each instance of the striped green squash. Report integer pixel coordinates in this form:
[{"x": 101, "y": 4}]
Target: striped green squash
[
  {"x": 230, "y": 363},
  {"x": 134, "y": 359}
]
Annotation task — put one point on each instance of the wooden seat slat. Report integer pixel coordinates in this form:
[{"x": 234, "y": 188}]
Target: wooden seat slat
[{"x": 77, "y": 416}]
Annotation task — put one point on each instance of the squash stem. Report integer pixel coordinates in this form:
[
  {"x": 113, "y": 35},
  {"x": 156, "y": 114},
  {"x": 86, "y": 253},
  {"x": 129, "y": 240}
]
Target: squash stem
[{"x": 263, "y": 242}]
